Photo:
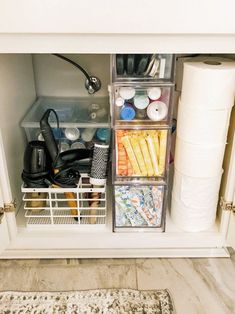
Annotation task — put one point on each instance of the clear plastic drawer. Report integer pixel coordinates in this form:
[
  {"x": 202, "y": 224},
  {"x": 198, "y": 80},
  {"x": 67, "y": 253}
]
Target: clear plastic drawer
[
  {"x": 139, "y": 207},
  {"x": 145, "y": 67},
  {"x": 140, "y": 155},
  {"x": 141, "y": 105}
]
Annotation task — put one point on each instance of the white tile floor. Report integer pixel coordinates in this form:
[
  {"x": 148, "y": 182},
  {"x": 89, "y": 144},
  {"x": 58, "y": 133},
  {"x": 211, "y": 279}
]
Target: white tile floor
[{"x": 196, "y": 285}]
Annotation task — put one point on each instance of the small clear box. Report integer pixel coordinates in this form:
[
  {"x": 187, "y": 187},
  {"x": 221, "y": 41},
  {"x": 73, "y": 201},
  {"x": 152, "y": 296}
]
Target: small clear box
[
  {"x": 141, "y": 105},
  {"x": 140, "y": 207},
  {"x": 81, "y": 120},
  {"x": 141, "y": 155},
  {"x": 144, "y": 67}
]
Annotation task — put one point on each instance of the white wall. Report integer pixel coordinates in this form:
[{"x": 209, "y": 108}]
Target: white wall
[{"x": 56, "y": 77}]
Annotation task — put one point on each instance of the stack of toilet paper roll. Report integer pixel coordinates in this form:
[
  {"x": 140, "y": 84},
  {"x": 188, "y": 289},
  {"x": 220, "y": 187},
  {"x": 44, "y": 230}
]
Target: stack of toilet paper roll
[{"x": 203, "y": 118}]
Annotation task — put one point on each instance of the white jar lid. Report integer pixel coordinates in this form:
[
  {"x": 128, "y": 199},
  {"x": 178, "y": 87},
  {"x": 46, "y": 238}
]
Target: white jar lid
[
  {"x": 72, "y": 134},
  {"x": 141, "y": 101},
  {"x": 157, "y": 111},
  {"x": 154, "y": 93},
  {"x": 127, "y": 92},
  {"x": 119, "y": 102}
]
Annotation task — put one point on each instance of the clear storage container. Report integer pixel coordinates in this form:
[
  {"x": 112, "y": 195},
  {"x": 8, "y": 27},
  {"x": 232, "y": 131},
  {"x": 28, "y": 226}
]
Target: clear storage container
[
  {"x": 73, "y": 138},
  {"x": 81, "y": 120},
  {"x": 146, "y": 67},
  {"x": 140, "y": 155},
  {"x": 141, "y": 104},
  {"x": 139, "y": 207}
]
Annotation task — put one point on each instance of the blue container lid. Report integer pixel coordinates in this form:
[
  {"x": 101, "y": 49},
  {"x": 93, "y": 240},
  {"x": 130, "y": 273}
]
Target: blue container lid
[
  {"x": 103, "y": 134},
  {"x": 127, "y": 113}
]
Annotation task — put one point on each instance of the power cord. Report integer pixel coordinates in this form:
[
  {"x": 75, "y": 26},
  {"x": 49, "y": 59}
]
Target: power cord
[{"x": 92, "y": 84}]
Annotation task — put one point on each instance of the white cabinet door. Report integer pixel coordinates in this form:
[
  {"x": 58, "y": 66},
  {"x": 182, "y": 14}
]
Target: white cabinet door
[
  {"x": 4, "y": 234},
  {"x": 231, "y": 228},
  {"x": 228, "y": 182},
  {"x": 123, "y": 16}
]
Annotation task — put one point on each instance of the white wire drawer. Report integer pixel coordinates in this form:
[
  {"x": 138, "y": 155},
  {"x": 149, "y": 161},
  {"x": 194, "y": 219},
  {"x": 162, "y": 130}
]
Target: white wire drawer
[{"x": 85, "y": 205}]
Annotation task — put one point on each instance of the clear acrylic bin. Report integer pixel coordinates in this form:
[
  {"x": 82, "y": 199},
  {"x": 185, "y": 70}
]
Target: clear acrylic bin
[
  {"x": 72, "y": 112},
  {"x": 144, "y": 67},
  {"x": 141, "y": 104},
  {"x": 140, "y": 155},
  {"x": 140, "y": 207},
  {"x": 81, "y": 120},
  {"x": 73, "y": 138}
]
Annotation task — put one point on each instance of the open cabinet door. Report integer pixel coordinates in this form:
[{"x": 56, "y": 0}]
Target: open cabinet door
[
  {"x": 17, "y": 93},
  {"x": 4, "y": 232},
  {"x": 228, "y": 184},
  {"x": 231, "y": 228},
  {"x": 4, "y": 235}
]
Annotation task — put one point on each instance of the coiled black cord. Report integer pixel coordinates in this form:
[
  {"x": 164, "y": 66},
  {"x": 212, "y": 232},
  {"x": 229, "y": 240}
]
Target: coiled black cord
[
  {"x": 92, "y": 84},
  {"x": 76, "y": 65},
  {"x": 67, "y": 177}
]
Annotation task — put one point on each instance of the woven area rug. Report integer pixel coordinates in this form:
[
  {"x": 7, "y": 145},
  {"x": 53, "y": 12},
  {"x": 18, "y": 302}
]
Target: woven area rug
[{"x": 91, "y": 301}]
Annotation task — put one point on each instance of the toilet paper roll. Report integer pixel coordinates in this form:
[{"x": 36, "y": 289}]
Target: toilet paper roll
[
  {"x": 157, "y": 111},
  {"x": 199, "y": 126},
  {"x": 196, "y": 192},
  {"x": 191, "y": 219},
  {"x": 198, "y": 160},
  {"x": 208, "y": 84}
]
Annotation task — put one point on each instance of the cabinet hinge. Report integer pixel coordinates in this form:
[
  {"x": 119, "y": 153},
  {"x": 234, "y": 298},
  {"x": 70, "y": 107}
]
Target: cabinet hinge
[
  {"x": 8, "y": 207},
  {"x": 226, "y": 205}
]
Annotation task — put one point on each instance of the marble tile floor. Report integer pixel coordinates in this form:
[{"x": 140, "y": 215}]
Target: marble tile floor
[{"x": 196, "y": 285}]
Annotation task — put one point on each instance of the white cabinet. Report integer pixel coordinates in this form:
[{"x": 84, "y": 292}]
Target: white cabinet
[
  {"x": 4, "y": 235},
  {"x": 108, "y": 26},
  {"x": 22, "y": 78},
  {"x": 124, "y": 17}
]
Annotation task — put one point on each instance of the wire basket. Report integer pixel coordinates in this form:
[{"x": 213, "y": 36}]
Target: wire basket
[{"x": 85, "y": 205}]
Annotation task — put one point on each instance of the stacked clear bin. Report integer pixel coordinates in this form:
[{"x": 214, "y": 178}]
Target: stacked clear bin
[
  {"x": 141, "y": 121},
  {"x": 82, "y": 122}
]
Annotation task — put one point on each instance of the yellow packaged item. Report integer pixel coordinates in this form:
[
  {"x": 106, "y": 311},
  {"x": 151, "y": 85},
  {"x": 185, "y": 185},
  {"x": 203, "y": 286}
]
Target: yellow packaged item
[
  {"x": 147, "y": 158},
  {"x": 138, "y": 154},
  {"x": 162, "y": 156},
  {"x": 126, "y": 142}
]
